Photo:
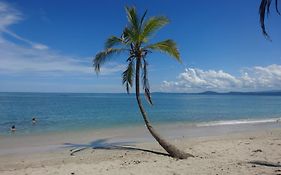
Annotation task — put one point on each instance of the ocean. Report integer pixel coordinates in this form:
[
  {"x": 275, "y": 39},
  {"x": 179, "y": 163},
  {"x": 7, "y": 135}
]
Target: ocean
[{"x": 63, "y": 112}]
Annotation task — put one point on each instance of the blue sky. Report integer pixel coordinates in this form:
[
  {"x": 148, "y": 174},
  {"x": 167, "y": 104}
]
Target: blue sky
[{"x": 48, "y": 46}]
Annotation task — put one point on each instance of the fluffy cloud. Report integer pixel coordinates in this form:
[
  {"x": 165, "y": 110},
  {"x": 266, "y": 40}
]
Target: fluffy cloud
[
  {"x": 33, "y": 57},
  {"x": 251, "y": 79}
]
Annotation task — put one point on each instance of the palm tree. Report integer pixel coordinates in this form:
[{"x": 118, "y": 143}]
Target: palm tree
[
  {"x": 134, "y": 42},
  {"x": 265, "y": 9}
]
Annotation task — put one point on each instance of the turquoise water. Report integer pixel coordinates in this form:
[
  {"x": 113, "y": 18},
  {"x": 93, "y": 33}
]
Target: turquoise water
[{"x": 57, "y": 112}]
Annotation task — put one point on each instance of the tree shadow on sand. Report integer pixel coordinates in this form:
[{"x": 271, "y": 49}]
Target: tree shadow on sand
[{"x": 105, "y": 144}]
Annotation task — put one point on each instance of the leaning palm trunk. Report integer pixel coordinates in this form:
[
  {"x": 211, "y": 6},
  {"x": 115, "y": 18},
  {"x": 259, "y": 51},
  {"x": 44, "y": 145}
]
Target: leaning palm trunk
[{"x": 171, "y": 149}]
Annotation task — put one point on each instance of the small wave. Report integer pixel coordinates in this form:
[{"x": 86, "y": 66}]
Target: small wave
[{"x": 237, "y": 122}]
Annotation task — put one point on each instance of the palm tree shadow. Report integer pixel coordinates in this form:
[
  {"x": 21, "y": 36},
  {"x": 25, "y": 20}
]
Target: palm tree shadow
[{"x": 104, "y": 144}]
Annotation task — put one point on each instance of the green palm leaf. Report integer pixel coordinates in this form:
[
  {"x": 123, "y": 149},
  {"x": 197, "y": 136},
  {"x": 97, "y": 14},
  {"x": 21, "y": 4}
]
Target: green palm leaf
[
  {"x": 128, "y": 76},
  {"x": 113, "y": 41},
  {"x": 133, "y": 18},
  {"x": 142, "y": 20},
  {"x": 104, "y": 56},
  {"x": 130, "y": 35},
  {"x": 152, "y": 25},
  {"x": 145, "y": 83},
  {"x": 167, "y": 46}
]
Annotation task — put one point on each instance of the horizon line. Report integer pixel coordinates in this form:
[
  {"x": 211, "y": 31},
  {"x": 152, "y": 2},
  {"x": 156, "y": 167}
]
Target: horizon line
[{"x": 264, "y": 91}]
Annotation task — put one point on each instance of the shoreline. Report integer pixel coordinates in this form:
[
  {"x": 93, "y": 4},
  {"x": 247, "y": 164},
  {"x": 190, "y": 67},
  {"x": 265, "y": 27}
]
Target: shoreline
[
  {"x": 157, "y": 124},
  {"x": 38, "y": 143}
]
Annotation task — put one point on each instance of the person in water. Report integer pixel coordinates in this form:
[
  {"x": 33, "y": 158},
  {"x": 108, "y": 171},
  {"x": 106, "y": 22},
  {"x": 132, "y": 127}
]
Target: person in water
[
  {"x": 13, "y": 128},
  {"x": 34, "y": 120}
]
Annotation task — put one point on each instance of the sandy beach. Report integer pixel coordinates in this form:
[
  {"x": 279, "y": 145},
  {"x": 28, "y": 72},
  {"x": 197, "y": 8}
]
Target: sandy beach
[{"x": 217, "y": 150}]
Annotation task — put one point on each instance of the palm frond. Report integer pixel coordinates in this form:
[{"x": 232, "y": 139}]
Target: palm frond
[
  {"x": 104, "y": 56},
  {"x": 128, "y": 76},
  {"x": 145, "y": 82},
  {"x": 263, "y": 10},
  {"x": 113, "y": 41},
  {"x": 130, "y": 35},
  {"x": 142, "y": 19},
  {"x": 276, "y": 7},
  {"x": 167, "y": 46},
  {"x": 152, "y": 25},
  {"x": 133, "y": 17}
]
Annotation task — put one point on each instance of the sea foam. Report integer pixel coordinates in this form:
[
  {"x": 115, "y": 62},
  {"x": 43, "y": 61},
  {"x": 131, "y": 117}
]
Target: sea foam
[{"x": 237, "y": 122}]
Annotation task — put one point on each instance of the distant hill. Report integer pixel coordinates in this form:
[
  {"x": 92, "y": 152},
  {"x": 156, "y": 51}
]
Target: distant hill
[
  {"x": 257, "y": 93},
  {"x": 268, "y": 93},
  {"x": 210, "y": 93}
]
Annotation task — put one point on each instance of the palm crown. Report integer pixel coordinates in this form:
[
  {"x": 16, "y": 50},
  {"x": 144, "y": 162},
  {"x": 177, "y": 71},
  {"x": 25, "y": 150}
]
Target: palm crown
[{"x": 134, "y": 41}]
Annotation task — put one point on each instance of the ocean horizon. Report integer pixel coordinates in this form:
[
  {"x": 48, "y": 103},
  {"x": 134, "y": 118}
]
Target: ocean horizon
[{"x": 61, "y": 112}]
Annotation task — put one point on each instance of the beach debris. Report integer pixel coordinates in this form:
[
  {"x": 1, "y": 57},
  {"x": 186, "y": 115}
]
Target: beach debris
[
  {"x": 265, "y": 163},
  {"x": 257, "y": 150},
  {"x": 136, "y": 161},
  {"x": 76, "y": 150}
]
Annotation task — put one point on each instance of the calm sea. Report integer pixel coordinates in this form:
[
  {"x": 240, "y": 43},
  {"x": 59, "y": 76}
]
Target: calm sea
[{"x": 58, "y": 112}]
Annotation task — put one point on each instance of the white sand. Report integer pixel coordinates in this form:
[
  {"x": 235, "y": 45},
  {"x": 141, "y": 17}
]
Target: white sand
[{"x": 224, "y": 152}]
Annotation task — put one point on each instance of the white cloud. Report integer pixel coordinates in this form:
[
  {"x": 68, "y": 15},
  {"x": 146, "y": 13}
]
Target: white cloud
[
  {"x": 8, "y": 15},
  {"x": 17, "y": 59},
  {"x": 32, "y": 44},
  {"x": 37, "y": 57},
  {"x": 251, "y": 79},
  {"x": 39, "y": 46}
]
